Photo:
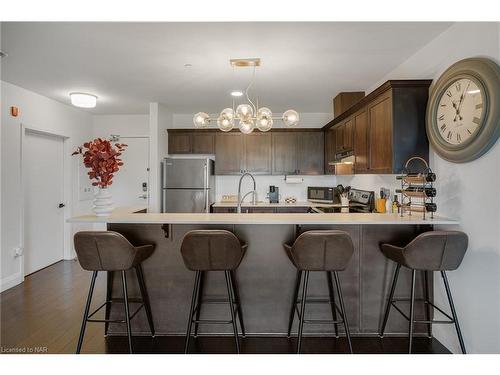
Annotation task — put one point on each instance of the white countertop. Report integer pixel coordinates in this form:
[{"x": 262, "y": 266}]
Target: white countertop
[{"x": 126, "y": 216}]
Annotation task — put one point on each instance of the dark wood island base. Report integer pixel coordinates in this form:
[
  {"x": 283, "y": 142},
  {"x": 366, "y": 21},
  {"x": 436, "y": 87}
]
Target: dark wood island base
[{"x": 266, "y": 280}]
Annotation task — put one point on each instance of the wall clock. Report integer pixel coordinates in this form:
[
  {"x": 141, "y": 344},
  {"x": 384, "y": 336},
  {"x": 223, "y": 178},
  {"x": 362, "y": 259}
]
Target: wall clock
[{"x": 464, "y": 109}]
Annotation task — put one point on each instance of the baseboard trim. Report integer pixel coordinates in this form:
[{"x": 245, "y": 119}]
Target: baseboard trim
[{"x": 11, "y": 281}]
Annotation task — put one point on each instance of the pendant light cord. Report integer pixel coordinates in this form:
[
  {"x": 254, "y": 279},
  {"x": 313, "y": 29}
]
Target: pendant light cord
[{"x": 248, "y": 88}]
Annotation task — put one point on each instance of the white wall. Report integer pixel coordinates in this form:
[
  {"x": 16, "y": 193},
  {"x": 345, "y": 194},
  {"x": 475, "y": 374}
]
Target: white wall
[
  {"x": 465, "y": 193},
  {"x": 160, "y": 119},
  {"x": 48, "y": 115},
  {"x": 123, "y": 125}
]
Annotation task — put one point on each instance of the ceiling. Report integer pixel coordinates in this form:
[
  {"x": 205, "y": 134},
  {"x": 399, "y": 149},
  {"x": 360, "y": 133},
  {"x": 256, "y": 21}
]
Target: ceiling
[{"x": 128, "y": 65}]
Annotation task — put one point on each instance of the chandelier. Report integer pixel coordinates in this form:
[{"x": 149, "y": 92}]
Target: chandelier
[{"x": 246, "y": 116}]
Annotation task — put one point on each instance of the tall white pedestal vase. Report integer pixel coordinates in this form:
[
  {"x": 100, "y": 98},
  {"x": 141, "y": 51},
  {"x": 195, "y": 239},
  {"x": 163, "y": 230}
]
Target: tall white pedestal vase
[{"x": 103, "y": 203}]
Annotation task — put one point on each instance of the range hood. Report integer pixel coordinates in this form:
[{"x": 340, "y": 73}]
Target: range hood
[{"x": 343, "y": 164}]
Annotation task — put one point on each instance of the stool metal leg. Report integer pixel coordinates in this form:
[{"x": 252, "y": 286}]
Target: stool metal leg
[
  {"x": 294, "y": 301},
  {"x": 453, "y": 312},
  {"x": 191, "y": 312},
  {"x": 427, "y": 305},
  {"x": 145, "y": 298},
  {"x": 227, "y": 275},
  {"x": 198, "y": 302},
  {"x": 127, "y": 311},
  {"x": 332, "y": 302},
  {"x": 342, "y": 309},
  {"x": 236, "y": 294},
  {"x": 389, "y": 301},
  {"x": 412, "y": 311},
  {"x": 109, "y": 296},
  {"x": 302, "y": 310},
  {"x": 86, "y": 312}
]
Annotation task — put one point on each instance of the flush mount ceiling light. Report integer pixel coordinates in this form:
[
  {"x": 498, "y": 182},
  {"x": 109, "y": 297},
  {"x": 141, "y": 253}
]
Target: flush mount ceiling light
[
  {"x": 247, "y": 115},
  {"x": 83, "y": 100},
  {"x": 3, "y": 54}
]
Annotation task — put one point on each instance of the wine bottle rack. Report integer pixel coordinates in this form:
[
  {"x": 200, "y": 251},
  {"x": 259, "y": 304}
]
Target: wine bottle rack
[{"x": 417, "y": 191}]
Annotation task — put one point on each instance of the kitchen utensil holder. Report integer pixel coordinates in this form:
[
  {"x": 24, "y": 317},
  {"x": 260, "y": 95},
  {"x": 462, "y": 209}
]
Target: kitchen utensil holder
[{"x": 413, "y": 189}]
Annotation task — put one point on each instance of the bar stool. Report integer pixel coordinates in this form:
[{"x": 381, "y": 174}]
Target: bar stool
[
  {"x": 110, "y": 251},
  {"x": 213, "y": 250},
  {"x": 430, "y": 251},
  {"x": 320, "y": 250}
]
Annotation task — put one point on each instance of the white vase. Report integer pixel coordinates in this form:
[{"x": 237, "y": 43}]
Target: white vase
[{"x": 103, "y": 204}]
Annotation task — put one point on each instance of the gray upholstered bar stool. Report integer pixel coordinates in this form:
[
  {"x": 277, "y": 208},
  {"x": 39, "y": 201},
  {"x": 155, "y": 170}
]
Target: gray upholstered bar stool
[
  {"x": 110, "y": 251},
  {"x": 320, "y": 250},
  {"x": 430, "y": 251},
  {"x": 213, "y": 250}
]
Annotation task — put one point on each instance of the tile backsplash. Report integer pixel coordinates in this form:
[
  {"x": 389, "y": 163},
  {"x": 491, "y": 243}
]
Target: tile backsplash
[{"x": 228, "y": 185}]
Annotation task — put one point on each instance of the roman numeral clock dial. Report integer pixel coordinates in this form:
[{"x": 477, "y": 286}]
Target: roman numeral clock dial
[
  {"x": 459, "y": 112},
  {"x": 463, "y": 110}
]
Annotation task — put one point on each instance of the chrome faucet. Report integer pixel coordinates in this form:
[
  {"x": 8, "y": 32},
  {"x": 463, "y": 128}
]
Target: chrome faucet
[{"x": 253, "y": 192}]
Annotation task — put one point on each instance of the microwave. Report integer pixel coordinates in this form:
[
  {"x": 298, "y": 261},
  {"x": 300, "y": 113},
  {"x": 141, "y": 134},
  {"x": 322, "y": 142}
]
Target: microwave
[{"x": 322, "y": 194}]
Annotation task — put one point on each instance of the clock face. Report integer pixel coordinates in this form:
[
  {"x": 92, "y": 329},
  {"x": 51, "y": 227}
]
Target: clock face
[{"x": 459, "y": 114}]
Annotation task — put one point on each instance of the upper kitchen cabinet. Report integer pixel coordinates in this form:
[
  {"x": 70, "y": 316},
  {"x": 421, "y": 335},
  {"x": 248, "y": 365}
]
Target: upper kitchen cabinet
[
  {"x": 330, "y": 148},
  {"x": 190, "y": 142},
  {"x": 257, "y": 153},
  {"x": 298, "y": 152},
  {"x": 229, "y": 153},
  {"x": 310, "y": 152},
  {"x": 387, "y": 127},
  {"x": 284, "y": 148}
]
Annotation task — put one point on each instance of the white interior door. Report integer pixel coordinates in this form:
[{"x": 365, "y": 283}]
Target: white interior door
[
  {"x": 131, "y": 183},
  {"x": 44, "y": 191}
]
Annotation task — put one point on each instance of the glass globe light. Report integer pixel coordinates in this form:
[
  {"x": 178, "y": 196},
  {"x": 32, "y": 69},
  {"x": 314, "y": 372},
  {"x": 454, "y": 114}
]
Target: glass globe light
[
  {"x": 264, "y": 119},
  {"x": 201, "y": 120},
  {"x": 247, "y": 126},
  {"x": 244, "y": 111},
  {"x": 290, "y": 117},
  {"x": 225, "y": 122}
]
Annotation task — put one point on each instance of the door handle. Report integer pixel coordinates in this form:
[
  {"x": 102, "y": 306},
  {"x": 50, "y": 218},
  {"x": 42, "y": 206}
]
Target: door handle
[{"x": 61, "y": 205}]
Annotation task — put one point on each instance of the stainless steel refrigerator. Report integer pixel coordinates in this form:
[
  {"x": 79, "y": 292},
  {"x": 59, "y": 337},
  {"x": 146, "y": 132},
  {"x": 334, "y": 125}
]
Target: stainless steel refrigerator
[{"x": 188, "y": 184}]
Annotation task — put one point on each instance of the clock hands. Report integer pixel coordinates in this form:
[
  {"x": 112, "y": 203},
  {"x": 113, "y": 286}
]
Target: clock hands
[{"x": 460, "y": 103}]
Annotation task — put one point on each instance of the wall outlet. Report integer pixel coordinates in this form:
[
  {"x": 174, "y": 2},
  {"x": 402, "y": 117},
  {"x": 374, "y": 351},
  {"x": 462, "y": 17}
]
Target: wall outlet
[{"x": 18, "y": 251}]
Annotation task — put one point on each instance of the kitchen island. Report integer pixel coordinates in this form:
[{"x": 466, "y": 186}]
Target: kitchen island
[{"x": 266, "y": 276}]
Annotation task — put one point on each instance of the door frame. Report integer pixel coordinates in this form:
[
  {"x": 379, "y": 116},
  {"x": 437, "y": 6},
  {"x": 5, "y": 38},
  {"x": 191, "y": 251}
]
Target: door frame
[
  {"x": 67, "y": 254},
  {"x": 118, "y": 137}
]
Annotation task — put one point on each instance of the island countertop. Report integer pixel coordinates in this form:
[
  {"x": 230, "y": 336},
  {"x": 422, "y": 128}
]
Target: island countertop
[{"x": 128, "y": 216}]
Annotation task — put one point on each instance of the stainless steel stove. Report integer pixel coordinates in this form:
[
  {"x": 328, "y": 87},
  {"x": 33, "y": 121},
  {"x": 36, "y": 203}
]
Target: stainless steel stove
[{"x": 360, "y": 201}]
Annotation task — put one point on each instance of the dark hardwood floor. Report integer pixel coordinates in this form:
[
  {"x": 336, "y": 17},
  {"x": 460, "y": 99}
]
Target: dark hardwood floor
[{"x": 43, "y": 315}]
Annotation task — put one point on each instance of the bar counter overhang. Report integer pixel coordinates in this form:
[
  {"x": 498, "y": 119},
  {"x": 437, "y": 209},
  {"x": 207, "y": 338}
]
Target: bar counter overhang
[{"x": 266, "y": 277}]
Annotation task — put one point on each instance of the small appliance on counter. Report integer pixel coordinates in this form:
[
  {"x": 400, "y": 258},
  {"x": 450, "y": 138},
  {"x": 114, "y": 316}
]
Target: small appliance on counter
[
  {"x": 322, "y": 194},
  {"x": 274, "y": 194}
]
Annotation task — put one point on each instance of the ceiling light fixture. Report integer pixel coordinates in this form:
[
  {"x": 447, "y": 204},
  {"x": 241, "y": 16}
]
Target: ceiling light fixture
[
  {"x": 3, "y": 54},
  {"x": 83, "y": 100},
  {"x": 247, "y": 114}
]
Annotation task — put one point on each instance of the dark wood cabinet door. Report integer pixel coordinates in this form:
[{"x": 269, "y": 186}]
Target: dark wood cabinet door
[
  {"x": 348, "y": 134},
  {"x": 310, "y": 153},
  {"x": 258, "y": 210},
  {"x": 361, "y": 141},
  {"x": 258, "y": 153},
  {"x": 292, "y": 210},
  {"x": 228, "y": 153},
  {"x": 179, "y": 143},
  {"x": 203, "y": 143},
  {"x": 380, "y": 134},
  {"x": 339, "y": 138},
  {"x": 223, "y": 210},
  {"x": 329, "y": 150},
  {"x": 284, "y": 149}
]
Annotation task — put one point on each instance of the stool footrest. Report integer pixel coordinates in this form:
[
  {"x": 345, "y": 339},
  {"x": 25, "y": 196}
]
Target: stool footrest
[
  {"x": 114, "y": 321},
  {"x": 449, "y": 321}
]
